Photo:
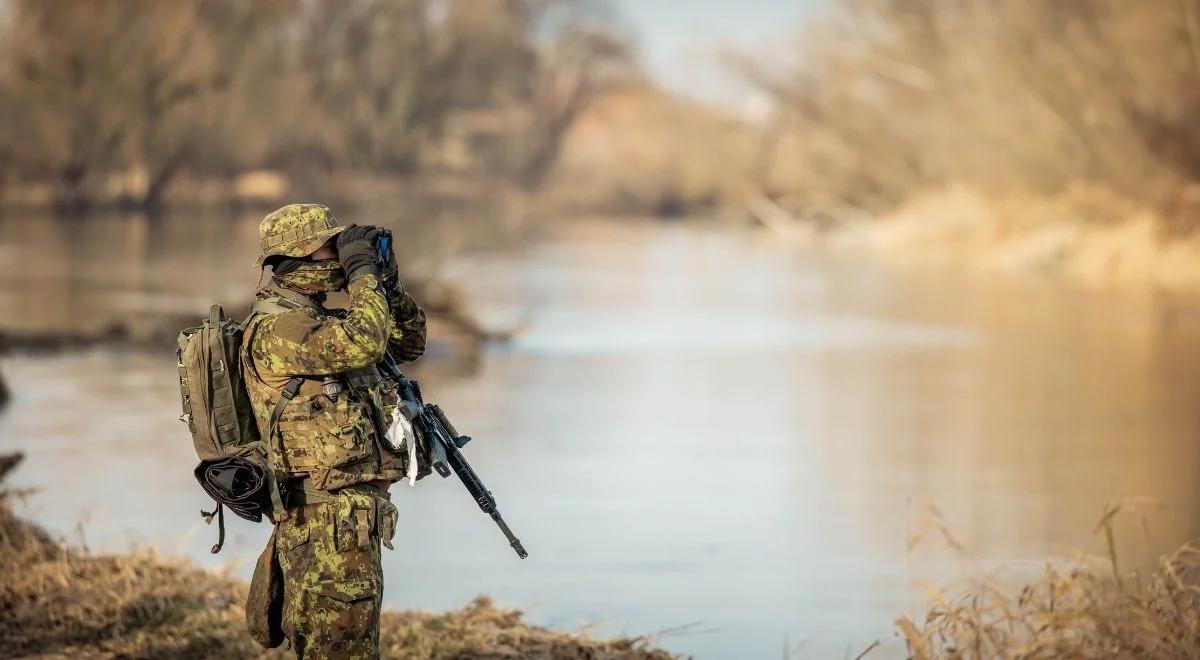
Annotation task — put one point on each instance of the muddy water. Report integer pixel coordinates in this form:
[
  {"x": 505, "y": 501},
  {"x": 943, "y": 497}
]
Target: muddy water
[{"x": 696, "y": 427}]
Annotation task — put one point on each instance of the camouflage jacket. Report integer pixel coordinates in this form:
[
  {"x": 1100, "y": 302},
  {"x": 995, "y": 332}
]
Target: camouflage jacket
[{"x": 331, "y": 431}]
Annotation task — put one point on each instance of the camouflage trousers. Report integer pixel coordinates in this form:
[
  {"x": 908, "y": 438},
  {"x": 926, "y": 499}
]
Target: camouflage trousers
[{"x": 332, "y": 578}]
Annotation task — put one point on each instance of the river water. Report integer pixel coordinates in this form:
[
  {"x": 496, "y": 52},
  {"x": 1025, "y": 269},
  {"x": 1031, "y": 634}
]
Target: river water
[{"x": 698, "y": 431}]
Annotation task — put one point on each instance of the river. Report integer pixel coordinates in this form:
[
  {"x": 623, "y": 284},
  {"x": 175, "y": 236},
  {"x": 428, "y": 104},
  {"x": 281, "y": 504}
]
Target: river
[{"x": 699, "y": 430}]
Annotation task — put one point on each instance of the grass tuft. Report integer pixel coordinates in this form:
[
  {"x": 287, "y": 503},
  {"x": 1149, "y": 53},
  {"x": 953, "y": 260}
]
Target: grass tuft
[
  {"x": 66, "y": 602},
  {"x": 1082, "y": 608}
]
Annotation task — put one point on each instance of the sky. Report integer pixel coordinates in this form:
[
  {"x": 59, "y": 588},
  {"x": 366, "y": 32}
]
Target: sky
[{"x": 680, "y": 41}]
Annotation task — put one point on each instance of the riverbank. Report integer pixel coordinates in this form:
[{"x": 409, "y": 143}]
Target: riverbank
[
  {"x": 455, "y": 328},
  {"x": 1084, "y": 235},
  {"x": 66, "y": 601},
  {"x": 1081, "y": 607},
  {"x": 61, "y": 601}
]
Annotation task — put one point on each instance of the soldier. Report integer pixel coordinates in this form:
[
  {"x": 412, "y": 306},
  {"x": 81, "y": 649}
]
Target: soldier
[{"x": 328, "y": 447}]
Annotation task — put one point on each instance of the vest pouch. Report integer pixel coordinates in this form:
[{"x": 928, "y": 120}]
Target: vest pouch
[
  {"x": 319, "y": 433},
  {"x": 347, "y": 434}
]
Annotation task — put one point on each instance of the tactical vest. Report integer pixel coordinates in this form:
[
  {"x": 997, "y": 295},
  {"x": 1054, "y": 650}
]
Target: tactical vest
[{"x": 331, "y": 432}]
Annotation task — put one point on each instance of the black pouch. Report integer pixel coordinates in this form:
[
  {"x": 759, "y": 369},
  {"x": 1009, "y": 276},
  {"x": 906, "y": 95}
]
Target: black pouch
[{"x": 264, "y": 604}]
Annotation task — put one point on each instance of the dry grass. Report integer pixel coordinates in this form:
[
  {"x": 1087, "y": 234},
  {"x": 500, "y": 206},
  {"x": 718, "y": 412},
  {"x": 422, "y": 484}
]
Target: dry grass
[
  {"x": 1085, "y": 608},
  {"x": 1084, "y": 234},
  {"x": 886, "y": 99},
  {"x": 57, "y": 601},
  {"x": 1069, "y": 124}
]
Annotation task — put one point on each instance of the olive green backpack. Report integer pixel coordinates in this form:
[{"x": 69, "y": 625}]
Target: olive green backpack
[
  {"x": 216, "y": 407},
  {"x": 235, "y": 467}
]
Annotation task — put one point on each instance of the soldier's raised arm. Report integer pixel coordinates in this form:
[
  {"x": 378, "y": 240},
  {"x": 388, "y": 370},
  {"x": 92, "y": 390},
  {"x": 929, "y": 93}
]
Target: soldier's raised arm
[
  {"x": 302, "y": 342},
  {"x": 299, "y": 342},
  {"x": 407, "y": 338}
]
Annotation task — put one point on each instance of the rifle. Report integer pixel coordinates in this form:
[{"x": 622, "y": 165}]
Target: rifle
[{"x": 442, "y": 444}]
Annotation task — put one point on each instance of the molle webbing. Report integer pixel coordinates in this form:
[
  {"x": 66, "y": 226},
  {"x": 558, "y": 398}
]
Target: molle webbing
[
  {"x": 235, "y": 460},
  {"x": 360, "y": 381},
  {"x": 223, "y": 417},
  {"x": 215, "y": 405}
]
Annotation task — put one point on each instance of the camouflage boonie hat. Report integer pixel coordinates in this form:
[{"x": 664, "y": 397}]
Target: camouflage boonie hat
[{"x": 296, "y": 230}]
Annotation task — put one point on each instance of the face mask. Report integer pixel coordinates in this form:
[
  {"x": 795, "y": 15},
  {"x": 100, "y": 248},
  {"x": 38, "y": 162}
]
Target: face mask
[{"x": 314, "y": 277}]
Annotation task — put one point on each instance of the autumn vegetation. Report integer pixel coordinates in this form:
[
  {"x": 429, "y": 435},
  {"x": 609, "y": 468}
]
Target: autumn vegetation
[
  {"x": 1078, "y": 110},
  {"x": 62, "y": 601},
  {"x": 1054, "y": 136},
  {"x": 885, "y": 98},
  {"x": 1049, "y": 137},
  {"x": 1109, "y": 604},
  {"x": 121, "y": 102}
]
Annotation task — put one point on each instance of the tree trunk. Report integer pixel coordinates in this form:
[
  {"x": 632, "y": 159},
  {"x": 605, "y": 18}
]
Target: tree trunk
[
  {"x": 160, "y": 180},
  {"x": 68, "y": 191}
]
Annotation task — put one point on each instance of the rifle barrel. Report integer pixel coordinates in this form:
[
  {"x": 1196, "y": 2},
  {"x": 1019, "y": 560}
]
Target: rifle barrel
[
  {"x": 443, "y": 448},
  {"x": 512, "y": 539}
]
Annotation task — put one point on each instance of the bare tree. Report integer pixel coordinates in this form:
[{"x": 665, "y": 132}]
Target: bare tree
[
  {"x": 892, "y": 96},
  {"x": 64, "y": 106},
  {"x": 581, "y": 63},
  {"x": 118, "y": 98}
]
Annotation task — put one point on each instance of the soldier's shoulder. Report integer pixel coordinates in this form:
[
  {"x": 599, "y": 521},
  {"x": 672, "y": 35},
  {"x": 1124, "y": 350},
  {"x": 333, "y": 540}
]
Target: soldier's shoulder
[{"x": 288, "y": 323}]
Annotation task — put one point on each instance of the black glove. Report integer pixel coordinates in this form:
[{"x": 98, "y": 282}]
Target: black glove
[{"x": 356, "y": 251}]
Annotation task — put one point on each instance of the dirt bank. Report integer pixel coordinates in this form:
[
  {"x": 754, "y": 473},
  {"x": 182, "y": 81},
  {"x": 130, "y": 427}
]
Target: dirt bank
[
  {"x": 59, "y": 601},
  {"x": 453, "y": 327}
]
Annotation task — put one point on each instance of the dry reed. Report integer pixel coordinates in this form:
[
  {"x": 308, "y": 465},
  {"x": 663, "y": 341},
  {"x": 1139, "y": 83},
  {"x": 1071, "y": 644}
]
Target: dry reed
[
  {"x": 887, "y": 100},
  {"x": 1083, "y": 608},
  {"x": 57, "y": 601}
]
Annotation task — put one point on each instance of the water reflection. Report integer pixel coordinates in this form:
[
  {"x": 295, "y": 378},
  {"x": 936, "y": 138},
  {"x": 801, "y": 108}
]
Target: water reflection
[
  {"x": 696, "y": 427},
  {"x": 84, "y": 274}
]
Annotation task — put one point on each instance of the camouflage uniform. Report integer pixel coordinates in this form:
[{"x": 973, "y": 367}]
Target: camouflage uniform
[{"x": 328, "y": 445}]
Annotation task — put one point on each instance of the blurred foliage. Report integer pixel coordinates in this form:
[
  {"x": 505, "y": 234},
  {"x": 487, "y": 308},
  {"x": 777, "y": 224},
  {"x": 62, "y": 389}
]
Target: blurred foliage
[
  {"x": 113, "y": 100},
  {"x": 890, "y": 97}
]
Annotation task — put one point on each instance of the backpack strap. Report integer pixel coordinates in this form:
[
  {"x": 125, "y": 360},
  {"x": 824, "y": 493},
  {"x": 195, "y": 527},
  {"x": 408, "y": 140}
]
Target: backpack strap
[
  {"x": 289, "y": 392},
  {"x": 280, "y": 300},
  {"x": 290, "y": 299},
  {"x": 265, "y": 306},
  {"x": 219, "y": 512},
  {"x": 273, "y": 305},
  {"x": 278, "y": 511}
]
